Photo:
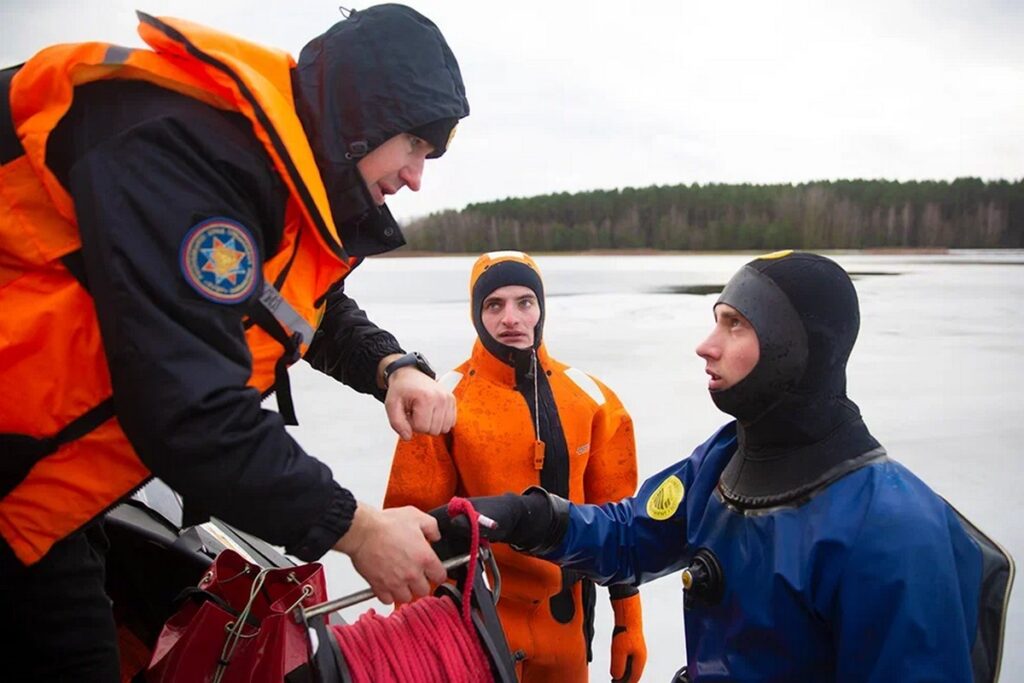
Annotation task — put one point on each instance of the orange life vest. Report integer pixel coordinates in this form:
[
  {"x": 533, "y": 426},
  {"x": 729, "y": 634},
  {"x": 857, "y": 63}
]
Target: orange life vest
[{"x": 55, "y": 383}]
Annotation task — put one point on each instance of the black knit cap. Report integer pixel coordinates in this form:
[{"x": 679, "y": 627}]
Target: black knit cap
[{"x": 438, "y": 134}]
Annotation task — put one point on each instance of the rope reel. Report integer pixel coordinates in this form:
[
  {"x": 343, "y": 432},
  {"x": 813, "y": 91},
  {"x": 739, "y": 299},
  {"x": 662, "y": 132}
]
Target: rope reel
[{"x": 453, "y": 636}]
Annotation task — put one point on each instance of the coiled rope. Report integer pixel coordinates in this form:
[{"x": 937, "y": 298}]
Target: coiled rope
[{"x": 422, "y": 642}]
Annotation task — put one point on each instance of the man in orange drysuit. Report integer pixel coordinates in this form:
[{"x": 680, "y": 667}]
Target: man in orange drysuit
[{"x": 526, "y": 419}]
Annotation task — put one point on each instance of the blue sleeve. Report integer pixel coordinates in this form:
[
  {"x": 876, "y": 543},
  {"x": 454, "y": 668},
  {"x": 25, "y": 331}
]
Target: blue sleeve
[
  {"x": 905, "y": 609},
  {"x": 639, "y": 539},
  {"x": 636, "y": 539}
]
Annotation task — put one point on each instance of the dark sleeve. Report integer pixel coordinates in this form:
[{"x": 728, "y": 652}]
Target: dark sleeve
[
  {"x": 348, "y": 346},
  {"x": 179, "y": 363}
]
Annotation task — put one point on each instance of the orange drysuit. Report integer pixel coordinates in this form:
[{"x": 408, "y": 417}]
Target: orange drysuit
[{"x": 588, "y": 453}]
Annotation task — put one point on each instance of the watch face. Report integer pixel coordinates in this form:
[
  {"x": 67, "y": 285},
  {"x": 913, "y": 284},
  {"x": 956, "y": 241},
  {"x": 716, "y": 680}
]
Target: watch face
[{"x": 424, "y": 365}]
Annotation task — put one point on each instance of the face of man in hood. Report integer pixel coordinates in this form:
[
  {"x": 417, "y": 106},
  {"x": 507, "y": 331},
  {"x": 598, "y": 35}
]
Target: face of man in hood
[
  {"x": 507, "y": 303},
  {"x": 731, "y": 351},
  {"x": 396, "y": 164},
  {"x": 510, "y": 315}
]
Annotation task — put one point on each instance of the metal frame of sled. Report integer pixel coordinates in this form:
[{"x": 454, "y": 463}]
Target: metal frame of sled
[{"x": 152, "y": 558}]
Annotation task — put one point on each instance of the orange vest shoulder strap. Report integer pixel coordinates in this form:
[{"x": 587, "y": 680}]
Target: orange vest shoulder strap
[{"x": 259, "y": 78}]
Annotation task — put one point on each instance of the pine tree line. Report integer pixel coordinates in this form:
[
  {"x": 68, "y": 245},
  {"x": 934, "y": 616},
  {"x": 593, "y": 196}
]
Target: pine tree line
[{"x": 847, "y": 214}]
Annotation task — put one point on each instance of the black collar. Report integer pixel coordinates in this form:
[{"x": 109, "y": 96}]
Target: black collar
[{"x": 770, "y": 478}]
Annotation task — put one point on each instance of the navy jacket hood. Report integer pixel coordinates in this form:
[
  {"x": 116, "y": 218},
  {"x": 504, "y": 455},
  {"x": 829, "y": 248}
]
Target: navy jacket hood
[{"x": 382, "y": 71}]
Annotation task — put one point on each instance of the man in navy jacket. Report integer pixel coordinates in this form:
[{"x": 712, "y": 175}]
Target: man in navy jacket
[{"x": 807, "y": 554}]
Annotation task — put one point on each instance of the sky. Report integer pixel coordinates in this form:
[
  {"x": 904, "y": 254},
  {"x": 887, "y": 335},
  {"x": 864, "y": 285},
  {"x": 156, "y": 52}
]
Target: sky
[{"x": 579, "y": 95}]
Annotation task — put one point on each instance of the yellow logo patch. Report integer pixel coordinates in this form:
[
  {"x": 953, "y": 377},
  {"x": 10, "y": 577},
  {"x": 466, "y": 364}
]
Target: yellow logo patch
[
  {"x": 775, "y": 254},
  {"x": 665, "y": 500}
]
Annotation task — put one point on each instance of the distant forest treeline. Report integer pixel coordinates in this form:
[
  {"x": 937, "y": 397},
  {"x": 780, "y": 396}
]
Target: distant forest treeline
[{"x": 846, "y": 214}]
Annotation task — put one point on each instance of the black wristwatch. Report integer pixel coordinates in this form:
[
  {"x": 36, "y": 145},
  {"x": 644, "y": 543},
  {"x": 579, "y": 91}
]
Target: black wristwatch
[{"x": 415, "y": 358}]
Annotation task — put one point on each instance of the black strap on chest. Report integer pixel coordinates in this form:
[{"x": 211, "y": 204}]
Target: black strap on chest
[
  {"x": 21, "y": 452},
  {"x": 532, "y": 383},
  {"x": 276, "y": 317},
  {"x": 291, "y": 353}
]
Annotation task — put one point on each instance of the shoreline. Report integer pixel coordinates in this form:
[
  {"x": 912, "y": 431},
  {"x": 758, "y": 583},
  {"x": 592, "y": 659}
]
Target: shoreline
[{"x": 917, "y": 251}]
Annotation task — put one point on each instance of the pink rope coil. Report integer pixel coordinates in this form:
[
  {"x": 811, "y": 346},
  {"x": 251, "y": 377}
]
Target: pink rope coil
[{"x": 425, "y": 641}]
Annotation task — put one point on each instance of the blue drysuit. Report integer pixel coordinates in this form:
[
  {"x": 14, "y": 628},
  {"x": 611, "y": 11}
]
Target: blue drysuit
[{"x": 871, "y": 578}]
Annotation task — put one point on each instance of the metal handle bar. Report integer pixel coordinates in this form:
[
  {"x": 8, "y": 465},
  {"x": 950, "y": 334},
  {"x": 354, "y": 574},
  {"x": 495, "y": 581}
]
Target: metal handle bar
[{"x": 367, "y": 593}]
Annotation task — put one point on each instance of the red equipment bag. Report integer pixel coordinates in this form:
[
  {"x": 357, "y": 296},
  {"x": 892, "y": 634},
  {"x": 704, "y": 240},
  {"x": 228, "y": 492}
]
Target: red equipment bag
[{"x": 239, "y": 625}]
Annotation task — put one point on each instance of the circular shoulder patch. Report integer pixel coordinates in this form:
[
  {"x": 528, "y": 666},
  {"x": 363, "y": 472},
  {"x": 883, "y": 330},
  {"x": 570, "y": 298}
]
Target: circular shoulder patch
[
  {"x": 665, "y": 500},
  {"x": 218, "y": 260}
]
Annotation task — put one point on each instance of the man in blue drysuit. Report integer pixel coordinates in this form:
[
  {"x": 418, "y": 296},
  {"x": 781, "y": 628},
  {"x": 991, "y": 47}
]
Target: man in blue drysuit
[{"x": 807, "y": 554}]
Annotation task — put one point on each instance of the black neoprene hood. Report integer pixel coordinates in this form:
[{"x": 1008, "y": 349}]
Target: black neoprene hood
[
  {"x": 804, "y": 309},
  {"x": 797, "y": 428}
]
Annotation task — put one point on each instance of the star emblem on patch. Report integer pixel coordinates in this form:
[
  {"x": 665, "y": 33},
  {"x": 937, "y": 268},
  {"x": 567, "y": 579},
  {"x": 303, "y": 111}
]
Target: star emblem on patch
[
  {"x": 219, "y": 260},
  {"x": 225, "y": 260}
]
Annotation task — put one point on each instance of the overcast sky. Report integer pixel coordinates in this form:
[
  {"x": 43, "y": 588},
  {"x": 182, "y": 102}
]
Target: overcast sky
[{"x": 578, "y": 95}]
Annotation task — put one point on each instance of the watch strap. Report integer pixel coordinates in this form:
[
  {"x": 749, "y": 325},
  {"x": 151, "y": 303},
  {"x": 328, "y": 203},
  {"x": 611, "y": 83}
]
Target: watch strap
[{"x": 413, "y": 358}]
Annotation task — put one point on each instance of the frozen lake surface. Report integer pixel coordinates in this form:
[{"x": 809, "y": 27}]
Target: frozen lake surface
[{"x": 937, "y": 373}]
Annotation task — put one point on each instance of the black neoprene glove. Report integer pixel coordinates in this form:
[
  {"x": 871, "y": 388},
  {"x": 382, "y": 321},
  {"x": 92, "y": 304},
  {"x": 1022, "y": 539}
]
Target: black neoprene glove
[{"x": 533, "y": 522}]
